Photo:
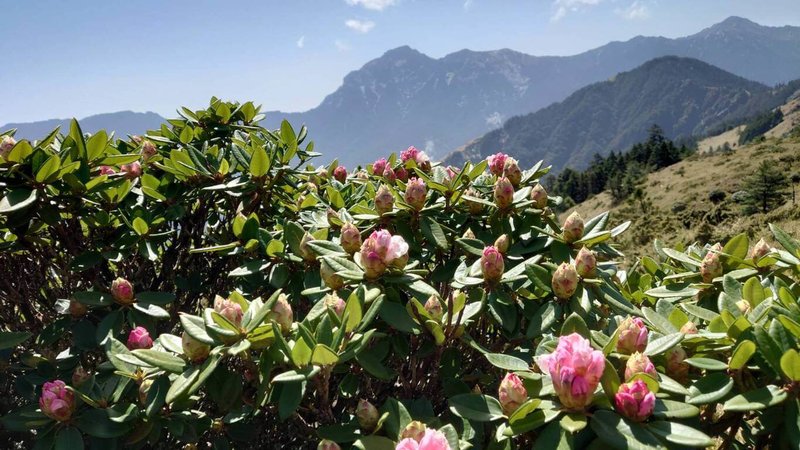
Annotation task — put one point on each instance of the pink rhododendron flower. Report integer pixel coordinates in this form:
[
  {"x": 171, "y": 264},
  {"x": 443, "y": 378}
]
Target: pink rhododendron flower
[
  {"x": 512, "y": 393},
  {"x": 434, "y": 307},
  {"x": 57, "y": 402},
  {"x": 711, "y": 266},
  {"x": 389, "y": 175},
  {"x": 760, "y": 250},
  {"x": 148, "y": 149},
  {"x": 431, "y": 440},
  {"x": 635, "y": 401},
  {"x": 350, "y": 238},
  {"x": 382, "y": 250},
  {"x": 139, "y": 338},
  {"x": 282, "y": 314},
  {"x": 409, "y": 153},
  {"x": 492, "y": 264},
  {"x": 575, "y": 368},
  {"x": 416, "y": 192},
  {"x": 512, "y": 171},
  {"x": 497, "y": 163},
  {"x": 229, "y": 310},
  {"x": 6, "y": 145},
  {"x": 340, "y": 173},
  {"x": 632, "y": 336},
  {"x": 107, "y": 170},
  {"x": 132, "y": 170},
  {"x": 401, "y": 173},
  {"x": 384, "y": 200},
  {"x": 539, "y": 196},
  {"x": 379, "y": 166}
]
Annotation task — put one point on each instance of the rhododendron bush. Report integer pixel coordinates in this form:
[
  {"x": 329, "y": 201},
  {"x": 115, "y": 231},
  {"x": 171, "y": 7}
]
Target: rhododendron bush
[{"x": 208, "y": 285}]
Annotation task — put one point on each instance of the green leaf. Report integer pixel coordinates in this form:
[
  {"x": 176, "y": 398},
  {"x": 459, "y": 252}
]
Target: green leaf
[
  {"x": 160, "y": 359},
  {"x": 16, "y": 200},
  {"x": 790, "y": 364},
  {"x": 433, "y": 231},
  {"x": 507, "y": 362},
  {"x": 622, "y": 434},
  {"x": 741, "y": 354},
  {"x": 195, "y": 327},
  {"x": 10, "y": 339},
  {"x": 677, "y": 290},
  {"x": 663, "y": 343},
  {"x": 93, "y": 298},
  {"x": 706, "y": 363},
  {"x": 156, "y": 298},
  {"x": 151, "y": 310},
  {"x": 477, "y": 407},
  {"x": 182, "y": 383},
  {"x": 50, "y": 167},
  {"x": 669, "y": 409},
  {"x": 575, "y": 324},
  {"x": 259, "y": 164},
  {"x": 374, "y": 443},
  {"x": 140, "y": 226},
  {"x": 680, "y": 434},
  {"x": 69, "y": 438},
  {"x": 324, "y": 356},
  {"x": 710, "y": 388},
  {"x": 289, "y": 376},
  {"x": 756, "y": 400},
  {"x": 791, "y": 245}
]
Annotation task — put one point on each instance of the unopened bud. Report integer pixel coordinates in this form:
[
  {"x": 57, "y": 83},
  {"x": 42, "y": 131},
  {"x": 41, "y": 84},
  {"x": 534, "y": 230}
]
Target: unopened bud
[
  {"x": 367, "y": 415},
  {"x": 122, "y": 291},
  {"x": 512, "y": 171},
  {"x": 711, "y": 266},
  {"x": 503, "y": 193},
  {"x": 305, "y": 249},
  {"x": 335, "y": 303},
  {"x": 689, "y": 328},
  {"x": 340, "y": 173},
  {"x": 760, "y": 250},
  {"x": 585, "y": 263},
  {"x": 573, "y": 227},
  {"x": 282, "y": 313},
  {"x": 328, "y": 275},
  {"x": 639, "y": 363},
  {"x": 416, "y": 193},
  {"x": 501, "y": 243},
  {"x": 328, "y": 445},
  {"x": 565, "y": 281},
  {"x": 492, "y": 264},
  {"x": 350, "y": 238},
  {"x": 414, "y": 430},
  {"x": 434, "y": 308},
  {"x": 384, "y": 200},
  {"x": 193, "y": 349},
  {"x": 539, "y": 196},
  {"x": 77, "y": 309}
]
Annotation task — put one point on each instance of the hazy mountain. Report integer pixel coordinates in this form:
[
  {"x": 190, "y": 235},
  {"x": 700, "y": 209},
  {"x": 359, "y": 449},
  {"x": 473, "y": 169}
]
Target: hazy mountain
[
  {"x": 123, "y": 123},
  {"x": 685, "y": 96},
  {"x": 405, "y": 97}
]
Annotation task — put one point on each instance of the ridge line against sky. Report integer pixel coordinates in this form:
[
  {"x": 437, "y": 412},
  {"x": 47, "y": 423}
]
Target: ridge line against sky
[{"x": 65, "y": 60}]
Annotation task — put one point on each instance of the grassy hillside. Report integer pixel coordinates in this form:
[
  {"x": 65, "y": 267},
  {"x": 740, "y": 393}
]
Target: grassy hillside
[{"x": 676, "y": 208}]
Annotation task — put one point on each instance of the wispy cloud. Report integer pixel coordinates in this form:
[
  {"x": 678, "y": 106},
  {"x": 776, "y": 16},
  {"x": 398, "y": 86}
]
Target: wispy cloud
[
  {"x": 636, "y": 10},
  {"x": 341, "y": 45},
  {"x": 562, "y": 7},
  {"x": 468, "y": 4},
  {"x": 360, "y": 26},
  {"x": 375, "y": 5},
  {"x": 301, "y": 42}
]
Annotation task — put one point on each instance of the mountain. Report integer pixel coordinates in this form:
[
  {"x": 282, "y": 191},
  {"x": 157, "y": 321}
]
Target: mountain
[
  {"x": 685, "y": 97},
  {"x": 407, "y": 98},
  {"x": 123, "y": 123}
]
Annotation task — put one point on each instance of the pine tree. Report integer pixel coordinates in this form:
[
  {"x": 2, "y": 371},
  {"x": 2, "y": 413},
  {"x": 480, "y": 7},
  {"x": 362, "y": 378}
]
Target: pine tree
[{"x": 766, "y": 187}]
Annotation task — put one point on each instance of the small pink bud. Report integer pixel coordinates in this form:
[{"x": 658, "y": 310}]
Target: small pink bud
[
  {"x": 512, "y": 393},
  {"x": 760, "y": 250},
  {"x": 492, "y": 264},
  {"x": 711, "y": 266},
  {"x": 132, "y": 170},
  {"x": 367, "y": 415},
  {"x": 573, "y": 227},
  {"x": 340, "y": 173},
  {"x": 80, "y": 376},
  {"x": 585, "y": 263},
  {"x": 409, "y": 154},
  {"x": 689, "y": 328},
  {"x": 148, "y": 149},
  {"x": 639, "y": 363},
  {"x": 322, "y": 173},
  {"x": 635, "y": 401},
  {"x": 329, "y": 277},
  {"x": 282, "y": 313},
  {"x": 389, "y": 175},
  {"x": 416, "y": 192},
  {"x": 575, "y": 368},
  {"x": 402, "y": 174},
  {"x": 122, "y": 291},
  {"x": 503, "y": 193},
  {"x": 539, "y": 196},
  {"x": 565, "y": 281},
  {"x": 335, "y": 303},
  {"x": 379, "y": 166},
  {"x": 434, "y": 308},
  {"x": 107, "y": 170},
  {"x": 502, "y": 243},
  {"x": 497, "y": 163},
  {"x": 632, "y": 336},
  {"x": 350, "y": 238},
  {"x": 305, "y": 251},
  {"x": 512, "y": 171},
  {"x": 328, "y": 445},
  {"x": 139, "y": 338},
  {"x": 6, "y": 145},
  {"x": 384, "y": 200},
  {"x": 57, "y": 402},
  {"x": 229, "y": 310},
  {"x": 193, "y": 349},
  {"x": 431, "y": 440},
  {"x": 414, "y": 430},
  {"x": 373, "y": 264},
  {"x": 452, "y": 172},
  {"x": 676, "y": 367}
]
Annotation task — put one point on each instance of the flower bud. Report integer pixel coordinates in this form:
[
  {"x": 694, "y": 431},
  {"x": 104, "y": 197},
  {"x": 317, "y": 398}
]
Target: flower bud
[
  {"x": 384, "y": 200},
  {"x": 492, "y": 264},
  {"x": 743, "y": 305},
  {"x": 379, "y": 166},
  {"x": 6, "y": 145},
  {"x": 122, "y": 291},
  {"x": 434, "y": 308},
  {"x": 585, "y": 263},
  {"x": 632, "y": 336},
  {"x": 362, "y": 175},
  {"x": 512, "y": 393},
  {"x": 373, "y": 264},
  {"x": 402, "y": 174},
  {"x": 400, "y": 262},
  {"x": 414, "y": 430},
  {"x": 148, "y": 149},
  {"x": 328, "y": 445},
  {"x": 573, "y": 227},
  {"x": 409, "y": 153},
  {"x": 193, "y": 349},
  {"x": 80, "y": 376},
  {"x": 322, "y": 173},
  {"x": 760, "y": 250},
  {"x": 329, "y": 277},
  {"x": 350, "y": 238},
  {"x": 503, "y": 193},
  {"x": 367, "y": 415},
  {"x": 382, "y": 250},
  {"x": 335, "y": 303},
  {"x": 497, "y": 163},
  {"x": 565, "y": 281},
  {"x": 416, "y": 192},
  {"x": 575, "y": 368},
  {"x": 57, "y": 402},
  {"x": 452, "y": 172},
  {"x": 475, "y": 208},
  {"x": 340, "y": 173},
  {"x": 139, "y": 338},
  {"x": 539, "y": 196},
  {"x": 389, "y": 175},
  {"x": 144, "y": 389},
  {"x": 711, "y": 266},
  {"x": 512, "y": 171},
  {"x": 423, "y": 162},
  {"x": 468, "y": 234},
  {"x": 132, "y": 170},
  {"x": 229, "y": 310},
  {"x": 107, "y": 170},
  {"x": 689, "y": 328},
  {"x": 282, "y": 313},
  {"x": 639, "y": 363},
  {"x": 635, "y": 401},
  {"x": 675, "y": 366},
  {"x": 333, "y": 217},
  {"x": 305, "y": 249},
  {"x": 502, "y": 243},
  {"x": 77, "y": 309}
]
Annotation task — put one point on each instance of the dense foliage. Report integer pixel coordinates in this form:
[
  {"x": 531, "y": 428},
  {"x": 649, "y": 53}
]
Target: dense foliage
[
  {"x": 760, "y": 125},
  {"x": 205, "y": 286}
]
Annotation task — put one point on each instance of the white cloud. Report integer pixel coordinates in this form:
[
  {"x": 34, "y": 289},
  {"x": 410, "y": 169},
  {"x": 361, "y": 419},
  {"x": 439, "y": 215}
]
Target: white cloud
[
  {"x": 375, "y": 5},
  {"x": 341, "y": 45},
  {"x": 301, "y": 42},
  {"x": 360, "y": 26},
  {"x": 562, "y": 7},
  {"x": 468, "y": 4},
  {"x": 636, "y": 10},
  {"x": 494, "y": 120}
]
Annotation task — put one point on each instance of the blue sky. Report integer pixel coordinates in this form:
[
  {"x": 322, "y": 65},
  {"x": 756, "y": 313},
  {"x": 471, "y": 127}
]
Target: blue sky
[{"x": 65, "y": 59}]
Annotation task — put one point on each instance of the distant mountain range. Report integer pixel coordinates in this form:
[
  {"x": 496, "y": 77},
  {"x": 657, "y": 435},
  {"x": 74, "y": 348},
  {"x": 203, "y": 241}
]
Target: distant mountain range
[
  {"x": 407, "y": 98},
  {"x": 685, "y": 96},
  {"x": 123, "y": 123}
]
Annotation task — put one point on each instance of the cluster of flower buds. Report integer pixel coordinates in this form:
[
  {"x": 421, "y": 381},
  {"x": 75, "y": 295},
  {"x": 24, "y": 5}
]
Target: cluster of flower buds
[
  {"x": 711, "y": 266},
  {"x": 575, "y": 368},
  {"x": 635, "y": 401},
  {"x": 585, "y": 263},
  {"x": 512, "y": 393},
  {"x": 502, "y": 243},
  {"x": 434, "y": 308},
  {"x": 419, "y": 157},
  {"x": 305, "y": 250},
  {"x": 497, "y": 163},
  {"x": 492, "y": 264},
  {"x": 632, "y": 336},
  {"x": 367, "y": 415},
  {"x": 57, "y": 402},
  {"x": 148, "y": 149},
  {"x": 132, "y": 170},
  {"x": 340, "y": 174},
  {"x": 416, "y": 193},
  {"x": 760, "y": 250},
  {"x": 329, "y": 277},
  {"x": 382, "y": 250},
  {"x": 335, "y": 303},
  {"x": 122, "y": 291},
  {"x": 229, "y": 309},
  {"x": 7, "y": 143},
  {"x": 474, "y": 207},
  {"x": 565, "y": 281},
  {"x": 379, "y": 167},
  {"x": 139, "y": 338},
  {"x": 676, "y": 366}
]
